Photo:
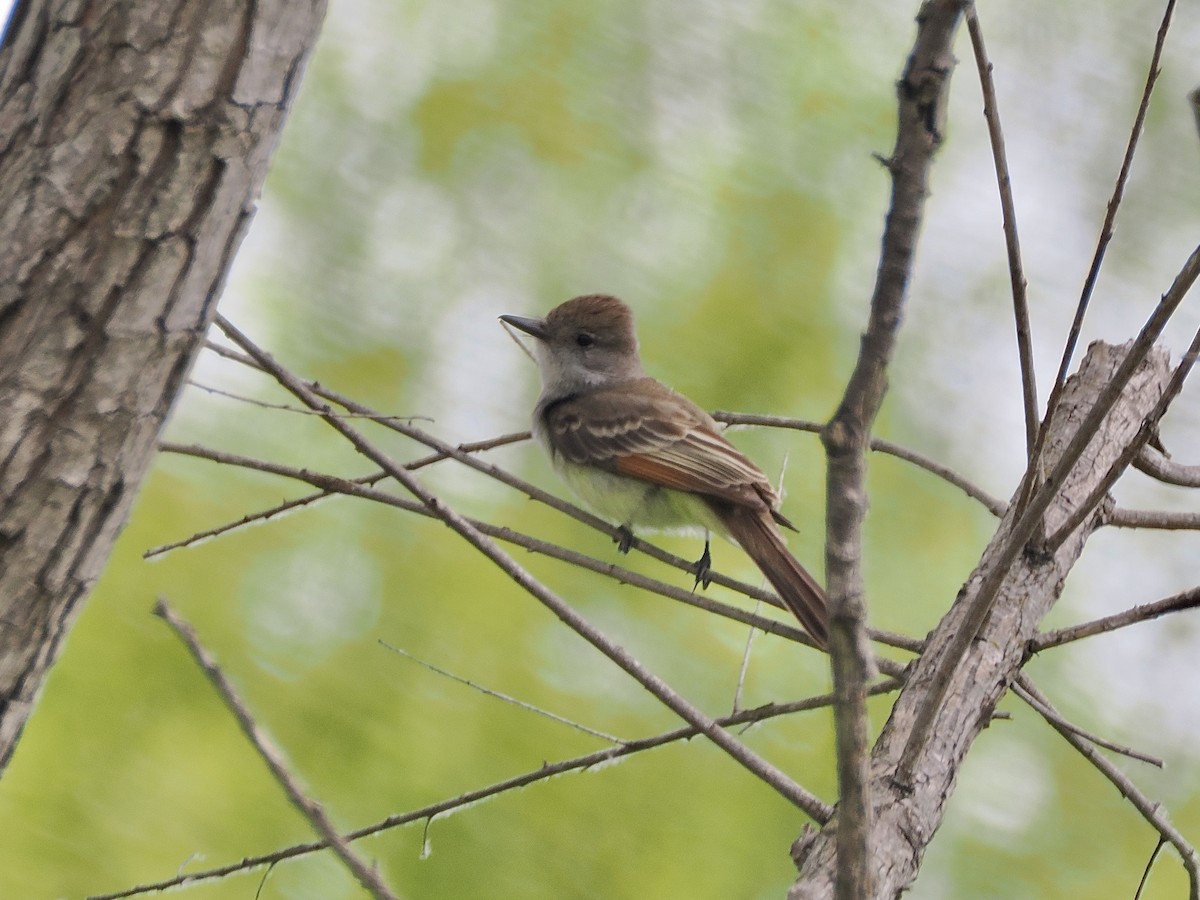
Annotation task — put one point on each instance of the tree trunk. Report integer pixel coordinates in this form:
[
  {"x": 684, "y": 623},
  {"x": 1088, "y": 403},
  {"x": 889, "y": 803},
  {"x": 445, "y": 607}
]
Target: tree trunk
[{"x": 134, "y": 139}]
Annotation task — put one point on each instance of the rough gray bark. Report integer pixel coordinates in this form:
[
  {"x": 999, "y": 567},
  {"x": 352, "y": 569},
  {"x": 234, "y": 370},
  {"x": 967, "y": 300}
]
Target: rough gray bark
[
  {"x": 908, "y": 810},
  {"x": 134, "y": 139}
]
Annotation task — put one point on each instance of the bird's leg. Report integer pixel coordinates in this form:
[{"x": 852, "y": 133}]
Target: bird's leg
[
  {"x": 624, "y": 538},
  {"x": 702, "y": 567}
]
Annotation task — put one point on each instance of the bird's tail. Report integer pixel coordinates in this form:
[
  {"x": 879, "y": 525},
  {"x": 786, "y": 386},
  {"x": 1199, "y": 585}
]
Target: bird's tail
[{"x": 759, "y": 536}]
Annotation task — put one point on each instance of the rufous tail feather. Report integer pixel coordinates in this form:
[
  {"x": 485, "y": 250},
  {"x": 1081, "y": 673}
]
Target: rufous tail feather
[{"x": 759, "y": 536}]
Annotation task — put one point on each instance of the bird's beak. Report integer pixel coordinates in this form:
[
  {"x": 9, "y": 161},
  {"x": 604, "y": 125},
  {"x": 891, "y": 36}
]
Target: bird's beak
[{"x": 535, "y": 327}]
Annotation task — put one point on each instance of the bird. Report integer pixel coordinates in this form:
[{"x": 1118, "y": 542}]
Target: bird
[{"x": 644, "y": 456}]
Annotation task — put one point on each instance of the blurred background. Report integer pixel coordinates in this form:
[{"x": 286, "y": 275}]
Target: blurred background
[{"x": 712, "y": 164}]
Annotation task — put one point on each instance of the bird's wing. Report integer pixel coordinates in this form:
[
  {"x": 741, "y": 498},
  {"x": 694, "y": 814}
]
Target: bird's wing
[{"x": 656, "y": 435}]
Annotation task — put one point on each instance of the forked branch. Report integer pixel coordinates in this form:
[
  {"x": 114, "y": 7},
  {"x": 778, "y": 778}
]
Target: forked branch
[{"x": 914, "y": 773}]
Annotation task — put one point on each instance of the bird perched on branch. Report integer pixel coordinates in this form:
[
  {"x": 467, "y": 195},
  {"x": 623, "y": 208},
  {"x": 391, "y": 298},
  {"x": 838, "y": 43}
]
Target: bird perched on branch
[{"x": 644, "y": 456}]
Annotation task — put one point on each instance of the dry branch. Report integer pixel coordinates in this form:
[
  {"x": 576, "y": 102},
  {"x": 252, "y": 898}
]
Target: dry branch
[
  {"x": 922, "y": 91},
  {"x": 1158, "y": 465},
  {"x": 269, "y": 753},
  {"x": 1108, "y": 229},
  {"x": 1134, "y": 615},
  {"x": 543, "y": 773},
  {"x": 1016, "y": 270},
  {"x": 909, "y": 805},
  {"x": 1152, "y": 812}
]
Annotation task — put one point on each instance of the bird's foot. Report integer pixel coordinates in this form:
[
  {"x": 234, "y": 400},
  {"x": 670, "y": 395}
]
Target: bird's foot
[
  {"x": 701, "y": 568},
  {"x": 624, "y": 538}
]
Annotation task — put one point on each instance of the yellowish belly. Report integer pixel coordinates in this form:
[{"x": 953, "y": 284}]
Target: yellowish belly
[{"x": 637, "y": 504}]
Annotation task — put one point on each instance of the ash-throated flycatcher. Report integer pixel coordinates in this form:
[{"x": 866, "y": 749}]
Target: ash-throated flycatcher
[{"x": 644, "y": 456}]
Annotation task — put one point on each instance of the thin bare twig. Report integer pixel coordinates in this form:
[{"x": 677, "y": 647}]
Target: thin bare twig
[
  {"x": 743, "y": 669},
  {"x": 1151, "y": 811},
  {"x": 507, "y": 698},
  {"x": 1132, "y": 616},
  {"x": 309, "y": 808},
  {"x": 1024, "y": 688},
  {"x": 333, "y": 485},
  {"x": 296, "y": 410},
  {"x": 765, "y": 771},
  {"x": 1106, "y": 234},
  {"x": 309, "y": 499},
  {"x": 245, "y": 521},
  {"x": 1114, "y": 203},
  {"x": 995, "y": 506},
  {"x": 1008, "y": 211},
  {"x": 543, "y": 773},
  {"x": 1162, "y": 520},
  {"x": 231, "y": 354},
  {"x": 1159, "y": 844}
]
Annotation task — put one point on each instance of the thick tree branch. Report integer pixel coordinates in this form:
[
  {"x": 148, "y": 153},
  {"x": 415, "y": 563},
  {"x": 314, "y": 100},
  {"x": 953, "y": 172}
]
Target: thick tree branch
[
  {"x": 909, "y": 803},
  {"x": 1034, "y": 519},
  {"x": 131, "y": 153},
  {"x": 1119, "y": 466}
]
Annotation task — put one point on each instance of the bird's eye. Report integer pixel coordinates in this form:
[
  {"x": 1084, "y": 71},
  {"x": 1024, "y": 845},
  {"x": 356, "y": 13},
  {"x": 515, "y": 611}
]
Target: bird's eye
[{"x": 585, "y": 340}]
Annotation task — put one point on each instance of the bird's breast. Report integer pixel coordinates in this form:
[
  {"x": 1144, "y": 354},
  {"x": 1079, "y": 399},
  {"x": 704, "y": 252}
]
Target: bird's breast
[{"x": 635, "y": 503}]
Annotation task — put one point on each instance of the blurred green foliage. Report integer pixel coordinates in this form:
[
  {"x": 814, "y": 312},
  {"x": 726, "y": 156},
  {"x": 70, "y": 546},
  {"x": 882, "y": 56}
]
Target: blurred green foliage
[{"x": 447, "y": 163}]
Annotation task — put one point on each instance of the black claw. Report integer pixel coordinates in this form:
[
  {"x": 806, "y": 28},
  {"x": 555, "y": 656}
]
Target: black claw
[
  {"x": 702, "y": 567},
  {"x": 624, "y": 539}
]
